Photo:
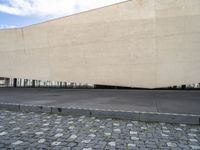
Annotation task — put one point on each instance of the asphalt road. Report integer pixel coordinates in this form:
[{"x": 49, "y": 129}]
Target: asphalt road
[{"x": 184, "y": 102}]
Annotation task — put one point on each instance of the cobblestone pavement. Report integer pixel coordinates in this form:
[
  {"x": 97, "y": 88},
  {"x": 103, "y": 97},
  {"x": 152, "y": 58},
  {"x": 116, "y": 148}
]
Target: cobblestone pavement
[{"x": 50, "y": 131}]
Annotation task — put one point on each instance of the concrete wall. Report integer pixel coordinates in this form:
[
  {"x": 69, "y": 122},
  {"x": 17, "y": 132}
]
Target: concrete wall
[{"x": 138, "y": 43}]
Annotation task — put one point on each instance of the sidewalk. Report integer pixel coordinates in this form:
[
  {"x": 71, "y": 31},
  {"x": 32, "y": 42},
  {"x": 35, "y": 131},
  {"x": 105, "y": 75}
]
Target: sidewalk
[{"x": 144, "y": 105}]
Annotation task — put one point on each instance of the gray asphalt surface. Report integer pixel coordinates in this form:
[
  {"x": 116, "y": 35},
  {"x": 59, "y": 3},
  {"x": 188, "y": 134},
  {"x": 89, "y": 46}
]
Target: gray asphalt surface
[{"x": 183, "y": 102}]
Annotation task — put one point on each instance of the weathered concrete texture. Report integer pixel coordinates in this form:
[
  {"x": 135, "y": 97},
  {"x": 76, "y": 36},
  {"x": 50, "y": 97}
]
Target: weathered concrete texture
[
  {"x": 138, "y": 43},
  {"x": 10, "y": 106},
  {"x": 70, "y": 111},
  {"x": 31, "y": 108}
]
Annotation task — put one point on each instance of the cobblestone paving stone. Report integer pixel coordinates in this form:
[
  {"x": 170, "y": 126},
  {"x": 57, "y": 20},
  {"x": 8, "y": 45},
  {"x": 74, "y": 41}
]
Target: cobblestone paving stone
[{"x": 29, "y": 131}]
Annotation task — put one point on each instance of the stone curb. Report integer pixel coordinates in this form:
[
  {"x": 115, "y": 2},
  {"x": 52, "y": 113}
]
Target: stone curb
[{"x": 116, "y": 114}]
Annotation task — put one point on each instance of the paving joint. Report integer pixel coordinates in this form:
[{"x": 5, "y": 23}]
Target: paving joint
[{"x": 106, "y": 113}]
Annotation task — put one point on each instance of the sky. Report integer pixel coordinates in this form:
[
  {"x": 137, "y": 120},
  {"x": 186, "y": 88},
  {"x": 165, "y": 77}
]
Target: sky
[{"x": 19, "y": 13}]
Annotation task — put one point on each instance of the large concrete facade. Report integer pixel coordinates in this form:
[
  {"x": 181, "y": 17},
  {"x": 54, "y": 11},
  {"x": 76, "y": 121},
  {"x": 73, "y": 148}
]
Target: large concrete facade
[{"x": 137, "y": 43}]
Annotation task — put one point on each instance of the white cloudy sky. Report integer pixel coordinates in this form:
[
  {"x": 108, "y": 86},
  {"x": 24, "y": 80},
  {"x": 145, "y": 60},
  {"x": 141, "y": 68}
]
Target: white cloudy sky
[
  {"x": 54, "y": 8},
  {"x": 42, "y": 10}
]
